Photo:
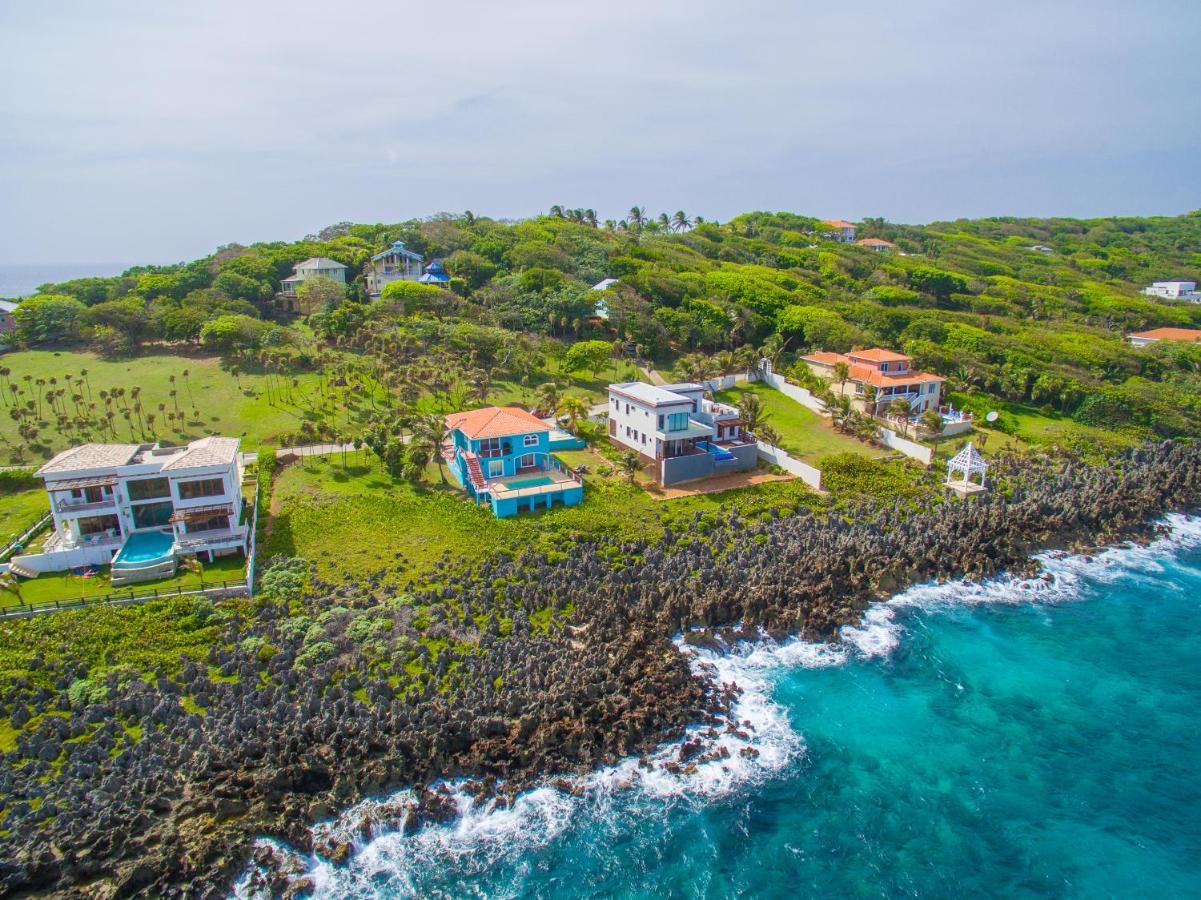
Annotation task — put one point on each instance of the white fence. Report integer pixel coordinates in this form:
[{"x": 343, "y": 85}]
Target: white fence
[
  {"x": 804, "y": 471},
  {"x": 795, "y": 392},
  {"x": 912, "y": 449}
]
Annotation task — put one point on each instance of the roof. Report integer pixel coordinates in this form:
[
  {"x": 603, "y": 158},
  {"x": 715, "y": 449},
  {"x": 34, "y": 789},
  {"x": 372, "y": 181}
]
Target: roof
[
  {"x": 495, "y": 421},
  {"x": 1169, "y": 334},
  {"x": 879, "y": 354},
  {"x": 72, "y": 484},
  {"x": 397, "y": 249},
  {"x": 875, "y": 242},
  {"x": 7, "y": 306},
  {"x": 838, "y": 223},
  {"x": 319, "y": 262},
  {"x": 434, "y": 273},
  {"x": 825, "y": 358},
  {"x": 1191, "y": 284},
  {"x": 209, "y": 451},
  {"x": 604, "y": 283},
  {"x": 682, "y": 386},
  {"x": 647, "y": 394},
  {"x": 967, "y": 460},
  {"x": 89, "y": 456}
]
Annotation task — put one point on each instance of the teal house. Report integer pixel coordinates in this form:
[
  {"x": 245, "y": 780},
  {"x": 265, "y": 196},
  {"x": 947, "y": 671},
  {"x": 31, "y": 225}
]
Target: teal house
[{"x": 502, "y": 456}]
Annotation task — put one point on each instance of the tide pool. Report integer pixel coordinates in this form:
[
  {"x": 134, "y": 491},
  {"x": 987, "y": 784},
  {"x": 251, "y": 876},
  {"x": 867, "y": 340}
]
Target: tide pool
[{"x": 1018, "y": 739}]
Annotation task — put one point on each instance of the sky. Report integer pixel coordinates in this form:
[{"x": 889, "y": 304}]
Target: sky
[{"x": 153, "y": 132}]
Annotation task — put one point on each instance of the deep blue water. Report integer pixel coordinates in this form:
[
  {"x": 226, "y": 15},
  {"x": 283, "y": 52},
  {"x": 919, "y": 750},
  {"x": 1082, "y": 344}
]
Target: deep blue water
[{"x": 1018, "y": 740}]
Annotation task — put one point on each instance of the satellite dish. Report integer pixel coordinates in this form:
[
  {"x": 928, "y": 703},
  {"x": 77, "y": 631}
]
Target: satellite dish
[{"x": 992, "y": 416}]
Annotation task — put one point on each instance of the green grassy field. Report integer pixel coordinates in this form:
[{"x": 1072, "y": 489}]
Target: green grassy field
[
  {"x": 357, "y": 519},
  {"x": 235, "y": 407},
  {"x": 19, "y": 510},
  {"x": 1021, "y": 426},
  {"x": 63, "y": 586},
  {"x": 803, "y": 433}
]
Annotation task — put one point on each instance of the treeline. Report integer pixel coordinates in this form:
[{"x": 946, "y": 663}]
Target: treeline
[{"x": 1033, "y": 311}]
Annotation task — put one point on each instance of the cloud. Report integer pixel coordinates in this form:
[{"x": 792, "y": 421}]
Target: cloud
[{"x": 157, "y": 131}]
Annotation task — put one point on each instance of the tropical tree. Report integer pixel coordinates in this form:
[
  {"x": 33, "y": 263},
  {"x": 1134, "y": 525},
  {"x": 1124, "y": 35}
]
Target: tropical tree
[
  {"x": 628, "y": 465},
  {"x": 750, "y": 410},
  {"x": 547, "y": 397},
  {"x": 430, "y": 433},
  {"x": 575, "y": 408},
  {"x": 931, "y": 421},
  {"x": 680, "y": 221},
  {"x": 636, "y": 219},
  {"x": 899, "y": 410},
  {"x": 11, "y": 584},
  {"x": 842, "y": 372},
  {"x": 768, "y": 435}
]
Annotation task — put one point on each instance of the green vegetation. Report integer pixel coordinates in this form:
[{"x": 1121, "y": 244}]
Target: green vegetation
[
  {"x": 19, "y": 509},
  {"x": 63, "y": 586},
  {"x": 803, "y": 433}
]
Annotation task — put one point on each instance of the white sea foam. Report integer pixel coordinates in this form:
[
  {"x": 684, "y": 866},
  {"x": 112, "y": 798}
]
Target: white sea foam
[{"x": 488, "y": 834}]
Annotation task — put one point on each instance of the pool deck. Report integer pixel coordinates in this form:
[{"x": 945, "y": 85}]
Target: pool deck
[{"x": 503, "y": 487}]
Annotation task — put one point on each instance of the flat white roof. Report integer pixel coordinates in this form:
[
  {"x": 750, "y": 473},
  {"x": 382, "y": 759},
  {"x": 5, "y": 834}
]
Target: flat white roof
[
  {"x": 650, "y": 394},
  {"x": 683, "y": 386}
]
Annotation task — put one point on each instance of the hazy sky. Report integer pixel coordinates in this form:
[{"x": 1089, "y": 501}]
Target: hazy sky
[{"x": 154, "y": 131}]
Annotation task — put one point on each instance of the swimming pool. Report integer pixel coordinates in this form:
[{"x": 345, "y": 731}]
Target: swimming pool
[
  {"x": 528, "y": 482},
  {"x": 717, "y": 451},
  {"x": 143, "y": 548}
]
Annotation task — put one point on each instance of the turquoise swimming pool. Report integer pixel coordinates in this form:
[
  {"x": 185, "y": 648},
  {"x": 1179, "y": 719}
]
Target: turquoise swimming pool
[
  {"x": 529, "y": 482},
  {"x": 144, "y": 548}
]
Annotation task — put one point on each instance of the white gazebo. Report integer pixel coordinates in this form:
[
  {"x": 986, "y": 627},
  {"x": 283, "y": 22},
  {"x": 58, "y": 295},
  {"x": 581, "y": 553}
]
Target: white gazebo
[{"x": 966, "y": 463}]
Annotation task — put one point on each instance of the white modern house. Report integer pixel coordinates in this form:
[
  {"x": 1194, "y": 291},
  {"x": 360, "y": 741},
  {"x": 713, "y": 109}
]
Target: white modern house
[
  {"x": 310, "y": 268},
  {"x": 397, "y": 263},
  {"x": 840, "y": 231},
  {"x": 1174, "y": 290},
  {"x": 687, "y": 435},
  {"x": 877, "y": 377},
  {"x": 140, "y": 507}
]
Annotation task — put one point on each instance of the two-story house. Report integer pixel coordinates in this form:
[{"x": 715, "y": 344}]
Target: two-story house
[
  {"x": 877, "y": 377},
  {"x": 840, "y": 231},
  {"x": 502, "y": 456},
  {"x": 139, "y": 507},
  {"x": 685, "y": 434},
  {"x": 311, "y": 268},
  {"x": 1174, "y": 290},
  {"x": 397, "y": 263}
]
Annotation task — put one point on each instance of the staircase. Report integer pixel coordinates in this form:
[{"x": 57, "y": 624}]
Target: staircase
[
  {"x": 18, "y": 569},
  {"x": 475, "y": 473}
]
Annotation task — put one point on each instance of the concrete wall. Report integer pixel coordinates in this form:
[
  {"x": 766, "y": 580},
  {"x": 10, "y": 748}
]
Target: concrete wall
[
  {"x": 504, "y": 507},
  {"x": 913, "y": 450},
  {"x": 804, "y": 471},
  {"x": 62, "y": 560},
  {"x": 953, "y": 428},
  {"x": 686, "y": 468}
]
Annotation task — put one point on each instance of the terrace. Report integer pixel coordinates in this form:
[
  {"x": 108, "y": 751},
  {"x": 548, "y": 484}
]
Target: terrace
[{"x": 532, "y": 482}]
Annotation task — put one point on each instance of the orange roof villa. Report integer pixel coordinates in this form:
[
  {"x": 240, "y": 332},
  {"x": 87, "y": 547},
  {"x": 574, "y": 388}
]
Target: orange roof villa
[
  {"x": 889, "y": 373},
  {"x": 1155, "y": 335}
]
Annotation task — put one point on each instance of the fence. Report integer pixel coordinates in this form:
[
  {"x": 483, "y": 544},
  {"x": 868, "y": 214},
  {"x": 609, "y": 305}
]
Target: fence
[
  {"x": 804, "y": 471},
  {"x": 117, "y": 598},
  {"x": 251, "y": 554},
  {"x": 788, "y": 389},
  {"x": 11, "y": 547}
]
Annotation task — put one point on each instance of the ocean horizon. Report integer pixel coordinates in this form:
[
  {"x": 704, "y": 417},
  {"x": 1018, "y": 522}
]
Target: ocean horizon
[
  {"x": 23, "y": 279},
  {"x": 1018, "y": 737}
]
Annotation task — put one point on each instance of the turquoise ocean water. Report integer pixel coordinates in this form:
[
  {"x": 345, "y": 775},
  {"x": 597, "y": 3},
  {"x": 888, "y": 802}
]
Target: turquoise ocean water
[{"x": 1018, "y": 739}]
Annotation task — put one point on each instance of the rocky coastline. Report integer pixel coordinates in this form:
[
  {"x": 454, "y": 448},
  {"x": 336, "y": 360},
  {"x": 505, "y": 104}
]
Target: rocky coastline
[{"x": 269, "y": 735}]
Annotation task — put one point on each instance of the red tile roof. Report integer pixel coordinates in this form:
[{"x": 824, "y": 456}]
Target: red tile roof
[
  {"x": 870, "y": 374},
  {"x": 1169, "y": 334},
  {"x": 838, "y": 223},
  {"x": 875, "y": 242},
  {"x": 878, "y": 354},
  {"x": 495, "y": 421}
]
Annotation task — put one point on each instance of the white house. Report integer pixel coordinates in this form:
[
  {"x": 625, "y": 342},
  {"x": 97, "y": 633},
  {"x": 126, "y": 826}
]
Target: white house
[
  {"x": 842, "y": 232},
  {"x": 140, "y": 507},
  {"x": 1174, "y": 290},
  {"x": 877, "y": 377},
  {"x": 676, "y": 427},
  {"x": 397, "y": 263},
  {"x": 310, "y": 268}
]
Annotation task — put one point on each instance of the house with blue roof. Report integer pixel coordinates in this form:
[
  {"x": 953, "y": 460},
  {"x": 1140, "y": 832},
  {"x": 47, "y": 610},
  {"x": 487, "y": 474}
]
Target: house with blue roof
[
  {"x": 397, "y": 263},
  {"x": 435, "y": 274},
  {"x": 503, "y": 456}
]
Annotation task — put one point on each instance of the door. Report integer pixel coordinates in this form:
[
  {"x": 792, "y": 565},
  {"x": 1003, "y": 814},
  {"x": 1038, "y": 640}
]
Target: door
[{"x": 496, "y": 468}]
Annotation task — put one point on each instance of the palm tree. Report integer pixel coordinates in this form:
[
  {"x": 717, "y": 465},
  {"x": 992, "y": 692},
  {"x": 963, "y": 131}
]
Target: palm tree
[
  {"x": 429, "y": 434},
  {"x": 590, "y": 217},
  {"x": 557, "y": 211},
  {"x": 11, "y": 584},
  {"x": 870, "y": 395},
  {"x": 665, "y": 221},
  {"x": 750, "y": 410},
  {"x": 899, "y": 409},
  {"x": 575, "y": 408},
  {"x": 193, "y": 565},
  {"x": 547, "y": 397},
  {"x": 842, "y": 372},
  {"x": 680, "y": 221},
  {"x": 768, "y": 435},
  {"x": 931, "y": 421},
  {"x": 636, "y": 218},
  {"x": 628, "y": 465}
]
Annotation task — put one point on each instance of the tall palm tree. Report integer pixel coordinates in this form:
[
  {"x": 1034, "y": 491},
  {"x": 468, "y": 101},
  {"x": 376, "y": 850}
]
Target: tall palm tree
[
  {"x": 557, "y": 211},
  {"x": 842, "y": 372},
  {"x": 750, "y": 409},
  {"x": 899, "y": 409},
  {"x": 664, "y": 221},
  {"x": 590, "y": 217},
  {"x": 547, "y": 396},
  {"x": 680, "y": 221},
  {"x": 430, "y": 433},
  {"x": 636, "y": 217},
  {"x": 575, "y": 408}
]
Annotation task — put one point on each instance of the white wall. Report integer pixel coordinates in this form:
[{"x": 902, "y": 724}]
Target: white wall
[
  {"x": 912, "y": 449},
  {"x": 799, "y": 394},
  {"x": 804, "y": 471},
  {"x": 62, "y": 560}
]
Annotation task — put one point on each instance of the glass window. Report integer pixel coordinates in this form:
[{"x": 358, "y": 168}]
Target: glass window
[
  {"x": 210, "y": 487},
  {"x": 531, "y": 440},
  {"x": 149, "y": 489},
  {"x": 216, "y": 523},
  {"x": 152, "y": 515},
  {"x": 677, "y": 421}
]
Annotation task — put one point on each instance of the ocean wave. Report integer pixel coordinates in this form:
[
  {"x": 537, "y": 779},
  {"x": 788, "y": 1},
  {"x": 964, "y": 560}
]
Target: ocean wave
[{"x": 757, "y": 743}]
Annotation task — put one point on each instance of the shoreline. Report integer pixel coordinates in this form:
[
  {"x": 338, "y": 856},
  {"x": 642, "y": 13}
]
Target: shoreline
[{"x": 270, "y": 760}]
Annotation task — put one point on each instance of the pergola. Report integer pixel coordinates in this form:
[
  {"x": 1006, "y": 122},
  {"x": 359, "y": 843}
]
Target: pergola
[{"x": 967, "y": 462}]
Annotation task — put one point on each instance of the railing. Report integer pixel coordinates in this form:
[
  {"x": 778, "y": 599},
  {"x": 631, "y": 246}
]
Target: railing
[
  {"x": 21, "y": 609},
  {"x": 203, "y": 538},
  {"x": 64, "y": 506},
  {"x": 56, "y": 542},
  {"x": 19, "y": 541}
]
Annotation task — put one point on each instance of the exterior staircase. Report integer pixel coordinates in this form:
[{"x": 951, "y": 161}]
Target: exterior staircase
[
  {"x": 475, "y": 473},
  {"x": 17, "y": 569}
]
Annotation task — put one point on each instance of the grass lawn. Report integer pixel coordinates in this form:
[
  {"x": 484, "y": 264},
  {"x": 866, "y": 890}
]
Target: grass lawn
[
  {"x": 65, "y": 586},
  {"x": 19, "y": 510},
  {"x": 358, "y": 520},
  {"x": 224, "y": 406},
  {"x": 1025, "y": 426},
  {"x": 803, "y": 433}
]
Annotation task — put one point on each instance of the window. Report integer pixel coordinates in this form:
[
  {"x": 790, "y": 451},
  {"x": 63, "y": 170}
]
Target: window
[
  {"x": 677, "y": 421},
  {"x": 527, "y": 461},
  {"x": 209, "y": 487},
  {"x": 530, "y": 440},
  {"x": 215, "y": 523},
  {"x": 149, "y": 489},
  {"x": 660, "y": 423},
  {"x": 490, "y": 447},
  {"x": 152, "y": 515}
]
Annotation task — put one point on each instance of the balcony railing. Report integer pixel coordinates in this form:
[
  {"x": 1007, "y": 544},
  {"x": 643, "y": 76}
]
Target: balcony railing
[{"x": 70, "y": 506}]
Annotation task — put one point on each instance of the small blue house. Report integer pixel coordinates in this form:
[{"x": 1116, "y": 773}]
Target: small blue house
[
  {"x": 435, "y": 274},
  {"x": 501, "y": 455}
]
